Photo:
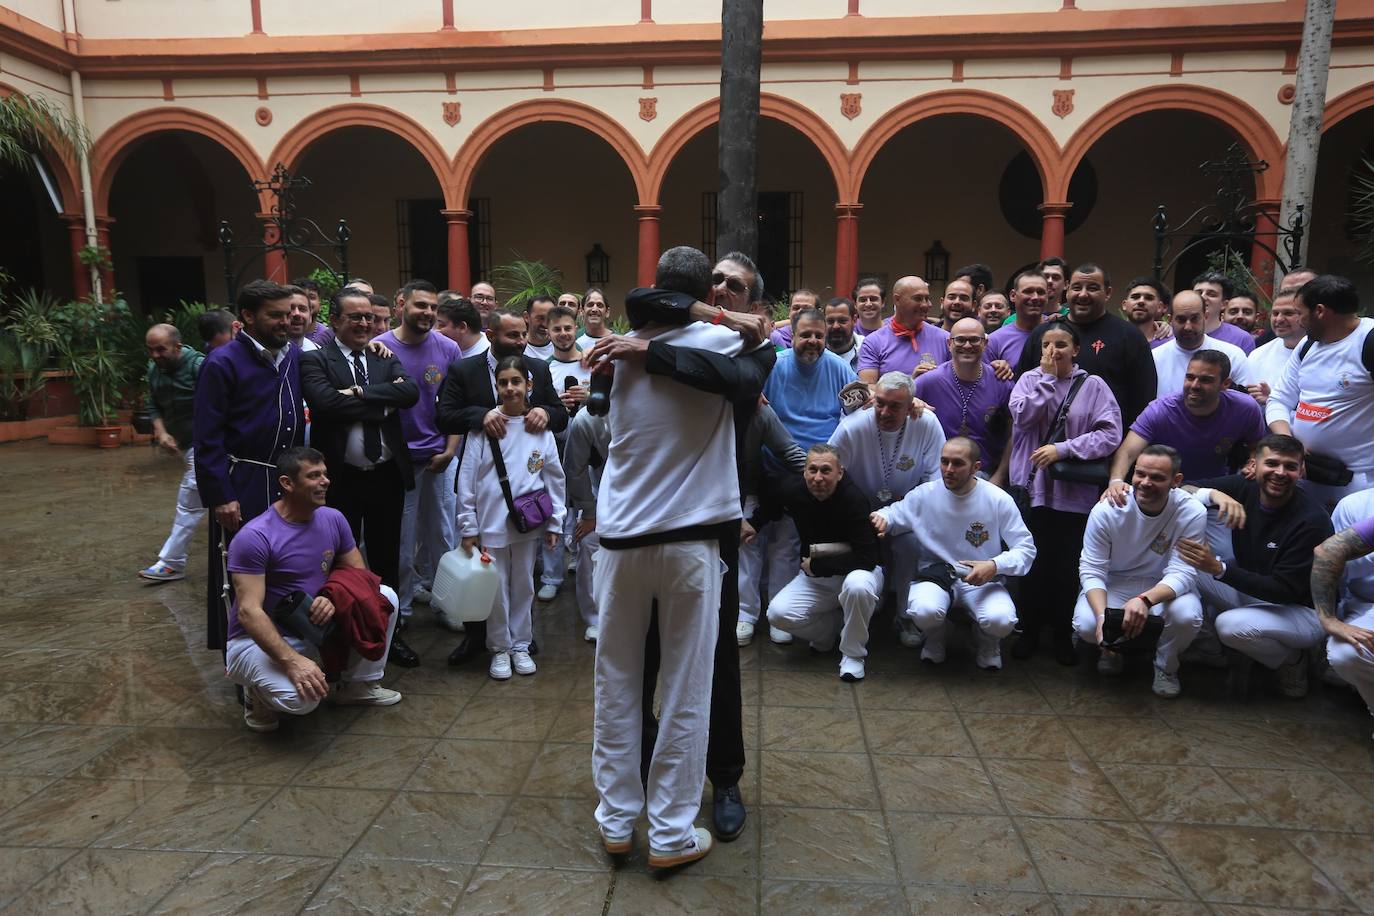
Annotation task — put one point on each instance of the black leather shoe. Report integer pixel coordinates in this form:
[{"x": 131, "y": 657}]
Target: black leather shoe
[
  {"x": 1026, "y": 644},
  {"x": 467, "y": 650},
  {"x": 534, "y": 646},
  {"x": 728, "y": 814},
  {"x": 1064, "y": 650},
  {"x": 401, "y": 654}
]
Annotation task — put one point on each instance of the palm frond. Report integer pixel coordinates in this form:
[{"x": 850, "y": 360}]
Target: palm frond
[
  {"x": 522, "y": 280},
  {"x": 30, "y": 122}
]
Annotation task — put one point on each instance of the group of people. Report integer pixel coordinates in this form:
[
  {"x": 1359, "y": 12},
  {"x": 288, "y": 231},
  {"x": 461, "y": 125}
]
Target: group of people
[{"x": 1160, "y": 481}]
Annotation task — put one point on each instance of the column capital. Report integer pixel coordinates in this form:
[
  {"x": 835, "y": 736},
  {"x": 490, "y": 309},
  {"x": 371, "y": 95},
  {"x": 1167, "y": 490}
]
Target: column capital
[
  {"x": 1054, "y": 210},
  {"x": 848, "y": 211},
  {"x": 456, "y": 216},
  {"x": 648, "y": 211},
  {"x": 102, "y": 222}
]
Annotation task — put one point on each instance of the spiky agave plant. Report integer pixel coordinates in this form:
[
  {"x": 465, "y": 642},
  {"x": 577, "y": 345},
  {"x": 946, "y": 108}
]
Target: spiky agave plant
[{"x": 522, "y": 280}]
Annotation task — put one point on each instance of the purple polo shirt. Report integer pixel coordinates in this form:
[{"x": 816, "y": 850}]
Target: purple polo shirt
[
  {"x": 969, "y": 410},
  {"x": 1007, "y": 342},
  {"x": 1234, "y": 335},
  {"x": 782, "y": 337},
  {"x": 1203, "y": 442},
  {"x": 427, "y": 363},
  {"x": 1365, "y": 531},
  {"x": 289, "y": 555},
  {"x": 886, "y": 352}
]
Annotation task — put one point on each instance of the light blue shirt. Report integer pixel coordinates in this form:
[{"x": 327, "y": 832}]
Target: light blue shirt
[{"x": 807, "y": 398}]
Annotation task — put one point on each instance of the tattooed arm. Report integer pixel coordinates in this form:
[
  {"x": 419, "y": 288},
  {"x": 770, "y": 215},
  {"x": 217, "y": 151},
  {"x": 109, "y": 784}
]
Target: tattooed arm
[{"x": 1328, "y": 565}]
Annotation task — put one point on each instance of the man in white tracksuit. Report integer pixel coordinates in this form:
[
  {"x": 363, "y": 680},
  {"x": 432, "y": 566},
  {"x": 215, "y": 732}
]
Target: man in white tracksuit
[
  {"x": 1130, "y": 561},
  {"x": 584, "y": 456},
  {"x": 963, "y": 521},
  {"x": 1348, "y": 620}
]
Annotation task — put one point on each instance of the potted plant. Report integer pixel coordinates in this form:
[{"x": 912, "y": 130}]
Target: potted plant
[
  {"x": 92, "y": 345},
  {"x": 27, "y": 338}
]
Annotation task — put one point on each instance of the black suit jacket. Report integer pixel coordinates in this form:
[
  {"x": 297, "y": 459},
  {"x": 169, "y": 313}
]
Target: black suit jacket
[
  {"x": 466, "y": 395},
  {"x": 325, "y": 371}
]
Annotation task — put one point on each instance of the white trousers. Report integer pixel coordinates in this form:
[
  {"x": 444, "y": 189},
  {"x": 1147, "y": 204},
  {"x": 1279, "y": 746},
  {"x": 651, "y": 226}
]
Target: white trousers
[
  {"x": 552, "y": 558},
  {"x": 685, "y": 578},
  {"x": 1354, "y": 665},
  {"x": 751, "y": 571},
  {"x": 1271, "y": 634},
  {"x": 248, "y": 666},
  {"x": 1182, "y": 620},
  {"x": 990, "y": 605},
  {"x": 511, "y": 624},
  {"x": 1329, "y": 496},
  {"x": 588, "y": 551},
  {"x": 426, "y": 528},
  {"x": 806, "y": 608},
  {"x": 190, "y": 510}
]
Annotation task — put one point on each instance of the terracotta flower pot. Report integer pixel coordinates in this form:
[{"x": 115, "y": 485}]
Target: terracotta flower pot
[{"x": 107, "y": 436}]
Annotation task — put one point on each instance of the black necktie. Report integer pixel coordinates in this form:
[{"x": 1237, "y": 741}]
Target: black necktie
[{"x": 372, "y": 432}]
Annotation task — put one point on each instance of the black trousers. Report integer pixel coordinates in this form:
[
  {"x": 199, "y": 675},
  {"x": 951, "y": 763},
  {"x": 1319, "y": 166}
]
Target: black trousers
[
  {"x": 725, "y": 747},
  {"x": 1050, "y": 589},
  {"x": 372, "y": 501}
]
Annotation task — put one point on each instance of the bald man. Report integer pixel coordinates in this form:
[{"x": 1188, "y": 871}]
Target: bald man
[
  {"x": 172, "y": 371},
  {"x": 906, "y": 342}
]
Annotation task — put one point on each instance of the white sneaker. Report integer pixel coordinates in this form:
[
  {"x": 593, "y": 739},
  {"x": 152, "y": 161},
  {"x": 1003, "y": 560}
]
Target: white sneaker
[
  {"x": 523, "y": 663},
  {"x": 744, "y": 632},
  {"x": 779, "y": 637},
  {"x": 851, "y": 669},
  {"x": 365, "y": 693},
  {"x": 447, "y": 622},
  {"x": 909, "y": 635},
  {"x": 671, "y": 858},
  {"x": 258, "y": 714},
  {"x": 1293, "y": 678},
  {"x": 591, "y": 633},
  {"x": 933, "y": 651},
  {"x": 421, "y": 595},
  {"x": 162, "y": 572},
  {"x": 990, "y": 657},
  {"x": 1111, "y": 663},
  {"x": 547, "y": 592},
  {"x": 500, "y": 666},
  {"x": 1166, "y": 685}
]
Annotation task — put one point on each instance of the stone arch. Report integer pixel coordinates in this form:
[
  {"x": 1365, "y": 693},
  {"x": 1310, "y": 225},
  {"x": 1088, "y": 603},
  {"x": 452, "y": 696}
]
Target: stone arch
[
  {"x": 1348, "y": 103},
  {"x": 1026, "y": 127},
  {"x": 1256, "y": 133},
  {"x": 785, "y": 110},
  {"x": 318, "y": 124},
  {"x": 118, "y": 141},
  {"x": 469, "y": 158},
  {"x": 62, "y": 165}
]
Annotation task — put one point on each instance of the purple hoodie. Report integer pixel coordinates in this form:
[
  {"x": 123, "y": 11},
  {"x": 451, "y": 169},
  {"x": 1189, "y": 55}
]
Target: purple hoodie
[{"x": 1094, "y": 431}]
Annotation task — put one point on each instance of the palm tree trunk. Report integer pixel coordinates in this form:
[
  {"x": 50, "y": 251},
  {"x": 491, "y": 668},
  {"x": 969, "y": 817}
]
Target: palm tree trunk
[
  {"x": 741, "y": 56},
  {"x": 1305, "y": 126}
]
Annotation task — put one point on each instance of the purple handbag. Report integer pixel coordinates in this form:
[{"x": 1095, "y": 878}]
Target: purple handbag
[{"x": 528, "y": 510}]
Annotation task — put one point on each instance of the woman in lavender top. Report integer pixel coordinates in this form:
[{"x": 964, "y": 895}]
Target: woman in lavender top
[{"x": 1059, "y": 509}]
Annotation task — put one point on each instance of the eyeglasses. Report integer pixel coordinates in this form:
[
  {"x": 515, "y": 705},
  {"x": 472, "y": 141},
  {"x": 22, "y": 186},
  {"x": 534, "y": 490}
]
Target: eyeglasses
[
  {"x": 482, "y": 297},
  {"x": 967, "y": 341},
  {"x": 733, "y": 284},
  {"x": 358, "y": 317}
]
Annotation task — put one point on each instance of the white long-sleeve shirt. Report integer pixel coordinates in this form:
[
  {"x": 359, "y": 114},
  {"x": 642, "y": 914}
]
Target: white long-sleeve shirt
[
  {"x": 1267, "y": 362},
  {"x": 1171, "y": 363},
  {"x": 1124, "y": 545},
  {"x": 1359, "y": 573},
  {"x": 531, "y": 462},
  {"x": 896, "y": 462},
  {"x": 970, "y": 527},
  {"x": 1327, "y": 397}
]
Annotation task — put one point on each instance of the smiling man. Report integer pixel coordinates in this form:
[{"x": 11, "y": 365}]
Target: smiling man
[
  {"x": 906, "y": 342},
  {"x": 804, "y": 387},
  {"x": 1144, "y": 306}
]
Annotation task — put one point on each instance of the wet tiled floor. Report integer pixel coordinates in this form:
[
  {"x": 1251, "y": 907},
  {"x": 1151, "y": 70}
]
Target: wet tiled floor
[{"x": 129, "y": 784}]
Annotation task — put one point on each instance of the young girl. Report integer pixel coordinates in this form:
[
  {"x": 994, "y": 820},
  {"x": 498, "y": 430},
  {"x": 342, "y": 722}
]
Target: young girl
[{"x": 531, "y": 461}]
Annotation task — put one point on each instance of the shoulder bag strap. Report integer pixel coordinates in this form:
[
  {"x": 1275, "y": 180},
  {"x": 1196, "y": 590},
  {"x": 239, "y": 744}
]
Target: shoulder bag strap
[
  {"x": 1061, "y": 421},
  {"x": 499, "y": 460}
]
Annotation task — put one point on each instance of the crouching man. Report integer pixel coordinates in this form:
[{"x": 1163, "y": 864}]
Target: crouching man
[
  {"x": 964, "y": 522},
  {"x": 839, "y": 560},
  {"x": 1131, "y": 560},
  {"x": 292, "y": 547}
]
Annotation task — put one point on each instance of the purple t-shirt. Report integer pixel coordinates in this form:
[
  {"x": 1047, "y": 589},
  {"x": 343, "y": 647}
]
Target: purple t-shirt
[
  {"x": 1203, "y": 442},
  {"x": 886, "y": 352},
  {"x": 1007, "y": 342},
  {"x": 782, "y": 337},
  {"x": 427, "y": 363},
  {"x": 970, "y": 410},
  {"x": 1365, "y": 531},
  {"x": 321, "y": 334},
  {"x": 1234, "y": 335},
  {"x": 1159, "y": 342},
  {"x": 290, "y": 555}
]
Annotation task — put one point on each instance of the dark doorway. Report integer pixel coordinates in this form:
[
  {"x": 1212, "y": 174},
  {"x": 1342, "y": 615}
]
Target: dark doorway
[
  {"x": 165, "y": 281},
  {"x": 422, "y": 237},
  {"x": 779, "y": 257},
  {"x": 21, "y": 253}
]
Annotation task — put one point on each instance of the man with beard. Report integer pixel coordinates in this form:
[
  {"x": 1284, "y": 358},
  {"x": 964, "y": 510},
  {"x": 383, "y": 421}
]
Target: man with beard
[
  {"x": 869, "y": 294},
  {"x": 427, "y": 524},
  {"x": 594, "y": 312},
  {"x": 804, "y": 387},
  {"x": 1110, "y": 347},
  {"x": 1243, "y": 312},
  {"x": 572, "y": 381},
  {"x": 956, "y": 303},
  {"x": 1171, "y": 359},
  {"x": 298, "y": 323},
  {"x": 1056, "y": 274},
  {"x": 1144, "y": 306},
  {"x": 1268, "y": 361},
  {"x": 467, "y": 404},
  {"x": 1260, "y": 597},
  {"x": 967, "y": 398},
  {"x": 993, "y": 310},
  {"x": 247, "y": 413},
  {"x": 1029, "y": 293},
  {"x": 906, "y": 342},
  {"x": 840, "y": 337},
  {"x": 537, "y": 342},
  {"x": 172, "y": 371},
  {"x": 1216, "y": 290}
]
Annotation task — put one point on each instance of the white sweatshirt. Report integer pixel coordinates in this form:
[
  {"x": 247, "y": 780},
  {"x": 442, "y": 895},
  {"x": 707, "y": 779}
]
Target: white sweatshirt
[
  {"x": 913, "y": 452},
  {"x": 671, "y": 463},
  {"x": 1359, "y": 573},
  {"x": 1328, "y": 398},
  {"x": 972, "y": 527},
  {"x": 1171, "y": 364},
  {"x": 1124, "y": 545},
  {"x": 531, "y": 462},
  {"x": 1267, "y": 362}
]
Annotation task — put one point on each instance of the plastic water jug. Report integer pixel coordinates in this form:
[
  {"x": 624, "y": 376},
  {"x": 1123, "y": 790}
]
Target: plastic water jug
[{"x": 465, "y": 586}]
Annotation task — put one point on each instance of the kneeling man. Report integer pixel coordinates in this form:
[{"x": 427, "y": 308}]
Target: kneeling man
[
  {"x": 839, "y": 560},
  {"x": 292, "y": 547},
  {"x": 1130, "y": 560},
  {"x": 964, "y": 521}
]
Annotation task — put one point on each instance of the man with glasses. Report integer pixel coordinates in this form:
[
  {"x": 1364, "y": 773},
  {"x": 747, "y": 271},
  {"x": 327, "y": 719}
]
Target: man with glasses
[
  {"x": 967, "y": 397},
  {"x": 483, "y": 295}
]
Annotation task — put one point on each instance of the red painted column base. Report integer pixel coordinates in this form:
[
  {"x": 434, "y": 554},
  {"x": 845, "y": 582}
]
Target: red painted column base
[
  {"x": 1052, "y": 229},
  {"x": 459, "y": 267},
  {"x": 647, "y": 264}
]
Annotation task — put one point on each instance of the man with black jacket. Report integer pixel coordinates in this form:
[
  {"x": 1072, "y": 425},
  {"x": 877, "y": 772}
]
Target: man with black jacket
[
  {"x": 467, "y": 404},
  {"x": 1261, "y": 597},
  {"x": 839, "y": 559},
  {"x": 355, "y": 398},
  {"x": 1111, "y": 346}
]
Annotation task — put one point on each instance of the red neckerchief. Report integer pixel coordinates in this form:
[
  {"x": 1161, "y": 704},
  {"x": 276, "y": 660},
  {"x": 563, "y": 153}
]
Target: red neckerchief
[{"x": 901, "y": 330}]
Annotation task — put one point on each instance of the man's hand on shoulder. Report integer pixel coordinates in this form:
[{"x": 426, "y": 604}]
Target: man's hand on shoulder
[
  {"x": 614, "y": 347},
  {"x": 379, "y": 349},
  {"x": 537, "y": 420}
]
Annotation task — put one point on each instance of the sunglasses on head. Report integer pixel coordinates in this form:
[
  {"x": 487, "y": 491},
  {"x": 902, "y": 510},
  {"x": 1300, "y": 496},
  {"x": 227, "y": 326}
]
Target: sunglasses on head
[{"x": 733, "y": 284}]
